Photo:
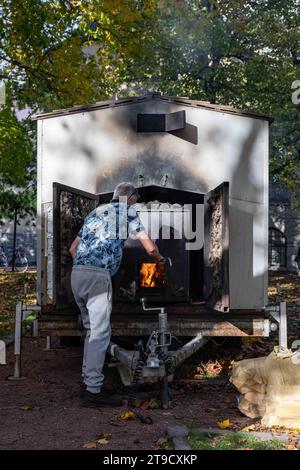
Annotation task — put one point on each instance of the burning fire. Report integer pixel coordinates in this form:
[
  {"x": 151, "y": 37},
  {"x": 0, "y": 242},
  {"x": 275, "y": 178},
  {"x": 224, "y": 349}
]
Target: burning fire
[{"x": 152, "y": 275}]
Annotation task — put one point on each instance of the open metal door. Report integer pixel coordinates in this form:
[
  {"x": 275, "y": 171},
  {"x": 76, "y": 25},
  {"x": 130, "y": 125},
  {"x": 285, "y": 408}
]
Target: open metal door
[
  {"x": 216, "y": 248},
  {"x": 70, "y": 207}
]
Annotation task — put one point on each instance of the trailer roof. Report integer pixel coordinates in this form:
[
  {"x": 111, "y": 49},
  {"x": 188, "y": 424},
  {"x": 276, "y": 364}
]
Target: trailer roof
[{"x": 181, "y": 101}]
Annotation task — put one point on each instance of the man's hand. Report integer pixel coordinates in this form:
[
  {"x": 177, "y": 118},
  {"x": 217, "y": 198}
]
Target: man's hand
[
  {"x": 161, "y": 263},
  {"x": 150, "y": 247}
]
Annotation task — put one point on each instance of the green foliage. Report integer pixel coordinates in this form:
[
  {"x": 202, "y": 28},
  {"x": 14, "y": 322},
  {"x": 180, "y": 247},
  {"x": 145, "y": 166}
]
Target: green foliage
[
  {"x": 12, "y": 290},
  {"x": 60, "y": 53},
  {"x": 48, "y": 54},
  {"x": 16, "y": 147},
  {"x": 17, "y": 164},
  {"x": 239, "y": 53},
  {"x": 232, "y": 441}
]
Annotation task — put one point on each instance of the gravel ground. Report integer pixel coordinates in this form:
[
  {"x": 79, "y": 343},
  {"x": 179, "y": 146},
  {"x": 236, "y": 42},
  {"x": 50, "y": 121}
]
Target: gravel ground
[{"x": 43, "y": 411}]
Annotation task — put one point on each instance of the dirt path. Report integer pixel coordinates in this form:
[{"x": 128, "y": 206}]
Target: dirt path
[{"x": 52, "y": 418}]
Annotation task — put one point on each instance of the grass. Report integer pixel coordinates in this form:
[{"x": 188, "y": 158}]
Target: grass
[
  {"x": 284, "y": 286},
  {"x": 12, "y": 290},
  {"x": 166, "y": 443},
  {"x": 231, "y": 441}
]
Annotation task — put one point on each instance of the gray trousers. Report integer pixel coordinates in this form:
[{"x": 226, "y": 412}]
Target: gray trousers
[{"x": 92, "y": 291}]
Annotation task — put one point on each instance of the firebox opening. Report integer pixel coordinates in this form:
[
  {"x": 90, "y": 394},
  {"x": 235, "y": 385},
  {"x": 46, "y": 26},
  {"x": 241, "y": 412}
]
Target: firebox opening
[
  {"x": 165, "y": 214},
  {"x": 152, "y": 276}
]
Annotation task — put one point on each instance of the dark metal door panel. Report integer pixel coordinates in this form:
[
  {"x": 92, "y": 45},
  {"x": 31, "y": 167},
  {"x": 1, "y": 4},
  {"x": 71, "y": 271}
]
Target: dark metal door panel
[
  {"x": 70, "y": 207},
  {"x": 216, "y": 248}
]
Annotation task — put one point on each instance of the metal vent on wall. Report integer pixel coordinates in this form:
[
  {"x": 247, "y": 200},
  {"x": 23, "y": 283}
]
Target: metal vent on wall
[{"x": 161, "y": 122}]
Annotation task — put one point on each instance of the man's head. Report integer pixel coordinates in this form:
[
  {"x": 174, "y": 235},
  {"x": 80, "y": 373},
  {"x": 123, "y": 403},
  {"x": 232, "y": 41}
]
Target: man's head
[{"x": 128, "y": 190}]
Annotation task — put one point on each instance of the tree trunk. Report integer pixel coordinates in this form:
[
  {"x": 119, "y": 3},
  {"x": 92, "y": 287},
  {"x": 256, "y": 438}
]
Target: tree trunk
[{"x": 13, "y": 261}]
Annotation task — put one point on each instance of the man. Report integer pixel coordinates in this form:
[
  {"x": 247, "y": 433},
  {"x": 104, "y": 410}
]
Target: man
[{"x": 97, "y": 254}]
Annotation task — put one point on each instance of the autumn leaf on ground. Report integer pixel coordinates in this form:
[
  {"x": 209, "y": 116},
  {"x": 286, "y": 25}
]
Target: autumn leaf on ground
[
  {"x": 90, "y": 445},
  {"x": 126, "y": 415},
  {"x": 161, "y": 442},
  {"x": 25, "y": 407},
  {"x": 291, "y": 446},
  {"x": 248, "y": 428},
  {"x": 154, "y": 404},
  {"x": 224, "y": 424},
  {"x": 286, "y": 430},
  {"x": 102, "y": 441},
  {"x": 144, "y": 405}
]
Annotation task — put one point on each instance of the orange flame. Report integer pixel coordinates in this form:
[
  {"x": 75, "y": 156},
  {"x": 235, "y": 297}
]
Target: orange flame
[{"x": 152, "y": 275}]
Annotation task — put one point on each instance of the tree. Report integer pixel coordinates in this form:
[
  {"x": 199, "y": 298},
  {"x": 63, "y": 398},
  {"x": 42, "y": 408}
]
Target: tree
[
  {"x": 58, "y": 53},
  {"x": 239, "y": 53},
  {"x": 45, "y": 51},
  {"x": 17, "y": 169}
]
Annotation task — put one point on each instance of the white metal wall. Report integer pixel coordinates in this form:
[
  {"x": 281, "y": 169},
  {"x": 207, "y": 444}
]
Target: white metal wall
[{"x": 95, "y": 150}]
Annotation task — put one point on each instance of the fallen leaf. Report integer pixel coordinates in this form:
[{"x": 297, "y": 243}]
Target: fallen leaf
[
  {"x": 290, "y": 446},
  {"x": 126, "y": 415},
  {"x": 291, "y": 430},
  {"x": 161, "y": 440},
  {"x": 25, "y": 408},
  {"x": 103, "y": 441},
  {"x": 249, "y": 428},
  {"x": 154, "y": 404},
  {"x": 224, "y": 424},
  {"x": 90, "y": 445},
  {"x": 144, "y": 405}
]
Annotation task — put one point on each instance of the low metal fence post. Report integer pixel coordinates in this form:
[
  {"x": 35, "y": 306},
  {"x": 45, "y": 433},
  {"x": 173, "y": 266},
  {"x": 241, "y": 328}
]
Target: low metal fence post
[
  {"x": 18, "y": 342},
  {"x": 282, "y": 325},
  {"x": 2, "y": 353}
]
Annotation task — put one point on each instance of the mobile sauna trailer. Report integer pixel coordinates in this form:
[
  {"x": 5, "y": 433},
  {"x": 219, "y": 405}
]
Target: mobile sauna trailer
[{"x": 181, "y": 154}]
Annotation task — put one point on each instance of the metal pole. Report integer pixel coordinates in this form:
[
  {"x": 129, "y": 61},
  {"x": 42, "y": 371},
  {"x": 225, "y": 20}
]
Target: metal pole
[
  {"x": 48, "y": 343},
  {"x": 18, "y": 342},
  {"x": 282, "y": 326},
  {"x": 35, "y": 328},
  {"x": 13, "y": 261},
  {"x": 162, "y": 329},
  {"x": 2, "y": 353}
]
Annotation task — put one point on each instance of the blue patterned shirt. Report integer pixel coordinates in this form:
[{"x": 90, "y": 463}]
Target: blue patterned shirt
[{"x": 104, "y": 233}]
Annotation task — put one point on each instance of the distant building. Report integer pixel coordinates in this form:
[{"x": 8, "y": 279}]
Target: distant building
[{"x": 284, "y": 229}]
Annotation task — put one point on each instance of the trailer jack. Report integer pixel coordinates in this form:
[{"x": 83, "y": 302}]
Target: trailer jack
[{"x": 154, "y": 362}]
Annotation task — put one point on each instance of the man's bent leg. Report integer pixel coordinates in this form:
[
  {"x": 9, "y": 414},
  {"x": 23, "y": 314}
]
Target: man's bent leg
[
  {"x": 76, "y": 284},
  {"x": 99, "y": 310}
]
